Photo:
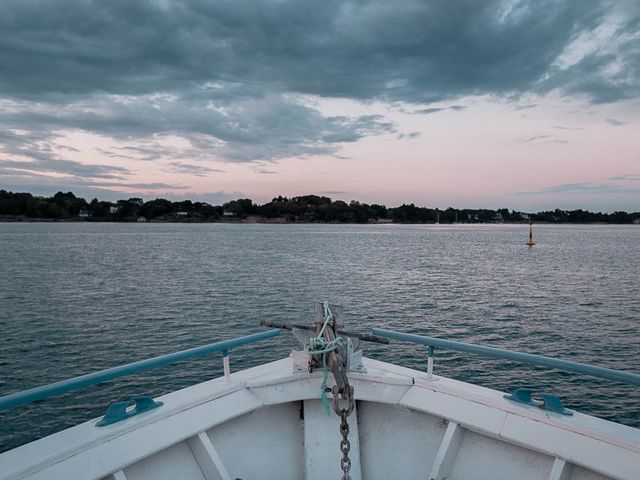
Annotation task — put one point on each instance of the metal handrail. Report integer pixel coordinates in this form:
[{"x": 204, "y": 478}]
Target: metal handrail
[
  {"x": 58, "y": 388},
  {"x": 526, "y": 358}
]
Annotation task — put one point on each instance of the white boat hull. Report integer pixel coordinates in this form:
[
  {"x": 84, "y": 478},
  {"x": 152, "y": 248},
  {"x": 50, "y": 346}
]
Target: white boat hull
[{"x": 267, "y": 422}]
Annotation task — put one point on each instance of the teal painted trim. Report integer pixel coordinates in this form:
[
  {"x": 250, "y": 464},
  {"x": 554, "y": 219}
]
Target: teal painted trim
[
  {"x": 64, "y": 386},
  {"x": 522, "y": 395},
  {"x": 553, "y": 404},
  {"x": 549, "y": 401},
  {"x": 527, "y": 358},
  {"x": 118, "y": 411}
]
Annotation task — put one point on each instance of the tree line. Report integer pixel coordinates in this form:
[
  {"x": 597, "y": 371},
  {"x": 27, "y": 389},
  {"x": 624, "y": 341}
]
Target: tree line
[{"x": 306, "y": 208}]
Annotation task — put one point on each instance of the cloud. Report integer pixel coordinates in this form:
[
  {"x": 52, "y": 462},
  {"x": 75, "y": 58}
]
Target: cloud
[
  {"x": 414, "y": 52},
  {"x": 585, "y": 187},
  {"x": 629, "y": 177},
  {"x": 408, "y": 136},
  {"x": 614, "y": 122},
  {"x": 540, "y": 139},
  {"x": 144, "y": 186},
  {"x": 42, "y": 164},
  {"x": 560, "y": 127},
  {"x": 192, "y": 169},
  {"x": 20, "y": 176},
  {"x": 533, "y": 138},
  {"x": 427, "y": 111},
  {"x": 213, "y": 198},
  {"x": 526, "y": 107},
  {"x": 39, "y": 153},
  {"x": 267, "y": 128},
  {"x": 332, "y": 192},
  {"x": 49, "y": 186},
  {"x": 236, "y": 81}
]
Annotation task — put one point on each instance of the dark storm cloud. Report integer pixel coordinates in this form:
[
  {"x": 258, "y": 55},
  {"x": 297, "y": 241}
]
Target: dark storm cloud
[
  {"x": 412, "y": 51},
  {"x": 233, "y": 78}
]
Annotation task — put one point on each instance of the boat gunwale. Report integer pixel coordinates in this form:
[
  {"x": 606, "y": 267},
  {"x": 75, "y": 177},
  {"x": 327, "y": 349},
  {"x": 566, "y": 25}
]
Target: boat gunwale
[{"x": 281, "y": 373}]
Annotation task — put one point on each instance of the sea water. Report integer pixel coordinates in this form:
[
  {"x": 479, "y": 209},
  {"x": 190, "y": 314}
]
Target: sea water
[{"x": 79, "y": 297}]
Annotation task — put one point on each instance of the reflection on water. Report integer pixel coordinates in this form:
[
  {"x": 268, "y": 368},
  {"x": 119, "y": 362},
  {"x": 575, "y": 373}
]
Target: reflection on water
[{"x": 75, "y": 298}]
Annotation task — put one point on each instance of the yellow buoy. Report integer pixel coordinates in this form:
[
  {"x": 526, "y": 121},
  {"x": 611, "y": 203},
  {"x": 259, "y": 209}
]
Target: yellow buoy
[{"x": 530, "y": 242}]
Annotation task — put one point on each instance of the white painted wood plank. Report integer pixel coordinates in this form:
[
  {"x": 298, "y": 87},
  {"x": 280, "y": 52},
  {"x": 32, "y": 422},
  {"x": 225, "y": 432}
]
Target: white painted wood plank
[
  {"x": 447, "y": 452},
  {"x": 35, "y": 456},
  {"x": 389, "y": 432},
  {"x": 483, "y": 457},
  {"x": 322, "y": 443},
  {"x": 613, "y": 433},
  {"x": 561, "y": 470},
  {"x": 207, "y": 457},
  {"x": 309, "y": 389},
  {"x": 145, "y": 441},
  {"x": 601, "y": 457},
  {"x": 119, "y": 475},
  {"x": 263, "y": 444},
  {"x": 480, "y": 417},
  {"x": 172, "y": 463}
]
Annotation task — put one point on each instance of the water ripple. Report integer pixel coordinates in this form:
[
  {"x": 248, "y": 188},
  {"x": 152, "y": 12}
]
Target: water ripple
[{"x": 75, "y": 298}]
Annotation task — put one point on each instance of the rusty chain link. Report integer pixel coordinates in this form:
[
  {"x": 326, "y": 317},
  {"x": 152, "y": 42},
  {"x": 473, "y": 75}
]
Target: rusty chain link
[{"x": 345, "y": 446}]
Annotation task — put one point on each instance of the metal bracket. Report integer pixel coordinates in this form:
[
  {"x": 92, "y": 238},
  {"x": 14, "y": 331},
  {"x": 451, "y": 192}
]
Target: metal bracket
[
  {"x": 549, "y": 402},
  {"x": 354, "y": 356},
  {"x": 120, "y": 410}
]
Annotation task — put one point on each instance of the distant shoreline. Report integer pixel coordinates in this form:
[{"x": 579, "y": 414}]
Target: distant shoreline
[
  {"x": 4, "y": 219},
  {"x": 305, "y": 209}
]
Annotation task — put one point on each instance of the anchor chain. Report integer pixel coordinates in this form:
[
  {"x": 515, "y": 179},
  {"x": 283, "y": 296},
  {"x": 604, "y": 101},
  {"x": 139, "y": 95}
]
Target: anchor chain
[
  {"x": 345, "y": 446},
  {"x": 343, "y": 413},
  {"x": 334, "y": 351}
]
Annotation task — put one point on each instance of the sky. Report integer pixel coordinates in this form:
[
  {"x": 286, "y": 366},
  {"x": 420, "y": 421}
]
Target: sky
[{"x": 527, "y": 105}]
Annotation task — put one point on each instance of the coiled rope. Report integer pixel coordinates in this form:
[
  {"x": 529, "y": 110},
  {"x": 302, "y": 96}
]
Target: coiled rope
[{"x": 319, "y": 346}]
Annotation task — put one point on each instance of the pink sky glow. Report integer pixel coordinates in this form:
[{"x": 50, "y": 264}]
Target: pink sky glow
[{"x": 521, "y": 104}]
